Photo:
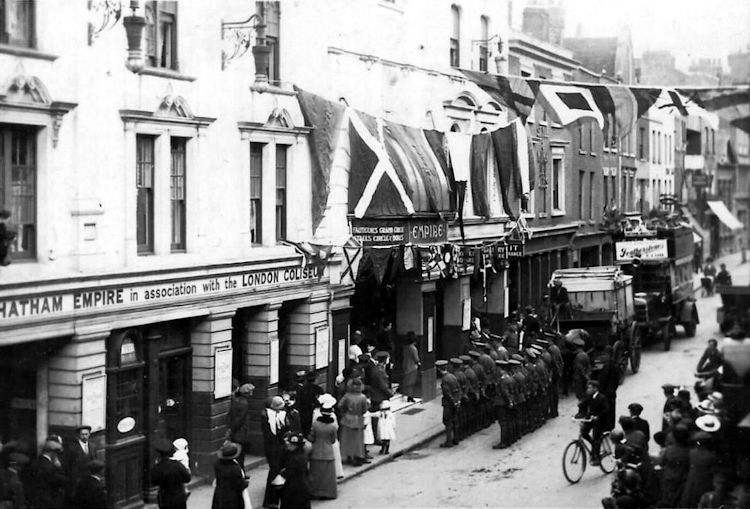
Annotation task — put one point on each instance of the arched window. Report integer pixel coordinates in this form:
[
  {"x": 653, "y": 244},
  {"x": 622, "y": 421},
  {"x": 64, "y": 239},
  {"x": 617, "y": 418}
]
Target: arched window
[
  {"x": 484, "y": 49},
  {"x": 455, "y": 57}
]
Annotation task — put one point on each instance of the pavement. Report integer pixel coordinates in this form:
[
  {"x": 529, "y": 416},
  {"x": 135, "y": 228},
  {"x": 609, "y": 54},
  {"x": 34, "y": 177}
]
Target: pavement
[{"x": 417, "y": 424}]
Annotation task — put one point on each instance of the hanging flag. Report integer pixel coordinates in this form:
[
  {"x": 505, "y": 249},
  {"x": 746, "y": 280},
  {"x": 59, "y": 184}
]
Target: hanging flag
[
  {"x": 326, "y": 119},
  {"x": 313, "y": 254},
  {"x": 522, "y": 157},
  {"x": 408, "y": 258},
  {"x": 461, "y": 192},
  {"x": 567, "y": 103},
  {"x": 533, "y": 163},
  {"x": 480, "y": 151},
  {"x": 438, "y": 143},
  {"x": 506, "y": 156},
  {"x": 603, "y": 101},
  {"x": 676, "y": 102},
  {"x": 459, "y": 149},
  {"x": 626, "y": 109},
  {"x": 517, "y": 94},
  {"x": 731, "y": 103},
  {"x": 380, "y": 257},
  {"x": 352, "y": 250},
  {"x": 645, "y": 98}
]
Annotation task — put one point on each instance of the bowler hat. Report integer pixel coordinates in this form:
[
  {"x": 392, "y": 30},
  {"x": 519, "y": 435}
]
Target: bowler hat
[
  {"x": 83, "y": 426},
  {"x": 163, "y": 445},
  {"x": 229, "y": 451}
]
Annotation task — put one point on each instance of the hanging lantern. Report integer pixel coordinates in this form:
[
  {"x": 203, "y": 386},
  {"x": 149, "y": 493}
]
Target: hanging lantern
[{"x": 134, "y": 27}]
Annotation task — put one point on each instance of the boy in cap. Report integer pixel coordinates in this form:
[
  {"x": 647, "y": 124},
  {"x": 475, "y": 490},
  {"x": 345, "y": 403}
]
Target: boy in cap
[{"x": 635, "y": 410}]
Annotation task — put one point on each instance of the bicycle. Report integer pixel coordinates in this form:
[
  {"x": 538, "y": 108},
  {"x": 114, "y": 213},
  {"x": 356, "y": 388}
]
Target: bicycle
[{"x": 576, "y": 454}]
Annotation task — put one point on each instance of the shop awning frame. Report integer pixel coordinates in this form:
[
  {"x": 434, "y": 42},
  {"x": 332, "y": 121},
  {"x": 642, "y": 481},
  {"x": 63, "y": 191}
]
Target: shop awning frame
[{"x": 725, "y": 215}]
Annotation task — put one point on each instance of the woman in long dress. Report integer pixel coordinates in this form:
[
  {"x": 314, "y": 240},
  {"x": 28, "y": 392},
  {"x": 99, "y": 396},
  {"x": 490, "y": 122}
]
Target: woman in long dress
[
  {"x": 411, "y": 367},
  {"x": 295, "y": 493},
  {"x": 322, "y": 458},
  {"x": 352, "y": 407},
  {"x": 230, "y": 478}
]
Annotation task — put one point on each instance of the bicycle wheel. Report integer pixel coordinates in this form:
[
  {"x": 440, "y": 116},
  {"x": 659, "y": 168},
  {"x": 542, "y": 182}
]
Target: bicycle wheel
[
  {"x": 574, "y": 461},
  {"x": 607, "y": 455}
]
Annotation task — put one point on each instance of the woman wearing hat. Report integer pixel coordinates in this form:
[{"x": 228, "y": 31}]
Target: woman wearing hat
[
  {"x": 170, "y": 476},
  {"x": 323, "y": 436},
  {"x": 273, "y": 425},
  {"x": 230, "y": 478},
  {"x": 352, "y": 407},
  {"x": 295, "y": 491},
  {"x": 411, "y": 367}
]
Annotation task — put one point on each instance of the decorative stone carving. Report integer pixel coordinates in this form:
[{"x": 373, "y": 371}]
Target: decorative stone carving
[
  {"x": 103, "y": 15},
  {"x": 27, "y": 89},
  {"x": 174, "y": 106}
]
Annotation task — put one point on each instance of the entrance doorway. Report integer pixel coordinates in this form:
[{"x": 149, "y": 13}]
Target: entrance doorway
[{"x": 18, "y": 397}]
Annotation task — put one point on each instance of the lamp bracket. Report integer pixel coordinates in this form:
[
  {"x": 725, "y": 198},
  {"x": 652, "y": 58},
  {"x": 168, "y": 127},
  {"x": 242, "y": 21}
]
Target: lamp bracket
[
  {"x": 103, "y": 15},
  {"x": 237, "y": 37}
]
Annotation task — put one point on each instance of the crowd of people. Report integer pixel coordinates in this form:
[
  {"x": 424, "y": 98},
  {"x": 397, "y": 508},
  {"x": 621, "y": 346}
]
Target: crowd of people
[
  {"x": 64, "y": 474},
  {"x": 702, "y": 456}
]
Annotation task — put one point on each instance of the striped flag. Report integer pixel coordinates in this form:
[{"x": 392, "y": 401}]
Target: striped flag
[{"x": 567, "y": 103}]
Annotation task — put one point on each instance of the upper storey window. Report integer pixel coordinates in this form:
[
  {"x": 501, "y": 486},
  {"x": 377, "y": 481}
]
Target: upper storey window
[
  {"x": 17, "y": 21},
  {"x": 161, "y": 34},
  {"x": 455, "y": 50}
]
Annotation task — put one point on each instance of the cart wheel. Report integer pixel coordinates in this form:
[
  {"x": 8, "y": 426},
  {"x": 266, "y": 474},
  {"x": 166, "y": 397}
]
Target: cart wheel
[
  {"x": 635, "y": 348},
  {"x": 666, "y": 336}
]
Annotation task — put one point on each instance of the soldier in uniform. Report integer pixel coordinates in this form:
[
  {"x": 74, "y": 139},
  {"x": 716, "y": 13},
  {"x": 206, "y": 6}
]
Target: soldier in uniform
[
  {"x": 515, "y": 395},
  {"x": 557, "y": 370},
  {"x": 451, "y": 398},
  {"x": 522, "y": 392},
  {"x": 482, "y": 382},
  {"x": 542, "y": 366},
  {"x": 502, "y": 403},
  {"x": 488, "y": 364},
  {"x": 536, "y": 386},
  {"x": 472, "y": 388},
  {"x": 457, "y": 370}
]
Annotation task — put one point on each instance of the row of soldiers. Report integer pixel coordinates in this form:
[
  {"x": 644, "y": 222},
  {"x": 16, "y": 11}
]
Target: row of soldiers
[{"x": 516, "y": 388}]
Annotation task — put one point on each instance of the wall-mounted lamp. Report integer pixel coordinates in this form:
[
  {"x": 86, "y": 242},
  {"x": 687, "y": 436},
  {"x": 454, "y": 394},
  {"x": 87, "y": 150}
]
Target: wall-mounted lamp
[
  {"x": 134, "y": 27},
  {"x": 237, "y": 39},
  {"x": 496, "y": 37}
]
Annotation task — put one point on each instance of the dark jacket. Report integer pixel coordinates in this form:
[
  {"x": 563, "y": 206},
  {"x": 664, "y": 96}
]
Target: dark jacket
[
  {"x": 239, "y": 420},
  {"x": 675, "y": 463},
  {"x": 642, "y": 425},
  {"x": 230, "y": 481},
  {"x": 90, "y": 493},
  {"x": 11, "y": 489},
  {"x": 379, "y": 387},
  {"x": 595, "y": 405},
  {"x": 296, "y": 491},
  {"x": 76, "y": 461},
  {"x": 307, "y": 400},
  {"x": 46, "y": 484},
  {"x": 170, "y": 476},
  {"x": 609, "y": 378}
]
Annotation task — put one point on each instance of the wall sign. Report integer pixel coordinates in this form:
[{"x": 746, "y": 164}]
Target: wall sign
[
  {"x": 388, "y": 232},
  {"x": 510, "y": 249},
  {"x": 93, "y": 398},
  {"x": 466, "y": 319},
  {"x": 643, "y": 249},
  {"x": 430, "y": 333},
  {"x": 700, "y": 180},
  {"x": 322, "y": 345},
  {"x": 222, "y": 373},
  {"x": 95, "y": 299}
]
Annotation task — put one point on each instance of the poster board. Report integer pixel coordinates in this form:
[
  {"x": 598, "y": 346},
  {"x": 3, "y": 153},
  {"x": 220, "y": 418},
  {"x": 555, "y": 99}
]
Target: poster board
[
  {"x": 342, "y": 354},
  {"x": 93, "y": 401},
  {"x": 274, "y": 371},
  {"x": 466, "y": 318},
  {"x": 430, "y": 333},
  {"x": 222, "y": 373},
  {"x": 322, "y": 347}
]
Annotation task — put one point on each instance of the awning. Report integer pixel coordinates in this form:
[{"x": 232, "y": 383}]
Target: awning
[{"x": 725, "y": 215}]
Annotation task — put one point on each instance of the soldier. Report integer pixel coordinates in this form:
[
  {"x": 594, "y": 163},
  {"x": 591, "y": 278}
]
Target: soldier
[
  {"x": 502, "y": 403},
  {"x": 472, "y": 393},
  {"x": 522, "y": 393},
  {"x": 516, "y": 395},
  {"x": 542, "y": 366},
  {"x": 557, "y": 370},
  {"x": 482, "y": 395},
  {"x": 535, "y": 382},
  {"x": 581, "y": 369},
  {"x": 451, "y": 398},
  {"x": 456, "y": 369},
  {"x": 488, "y": 364}
]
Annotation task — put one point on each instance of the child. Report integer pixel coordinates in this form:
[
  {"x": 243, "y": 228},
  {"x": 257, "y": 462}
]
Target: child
[
  {"x": 369, "y": 437},
  {"x": 181, "y": 454},
  {"x": 386, "y": 427}
]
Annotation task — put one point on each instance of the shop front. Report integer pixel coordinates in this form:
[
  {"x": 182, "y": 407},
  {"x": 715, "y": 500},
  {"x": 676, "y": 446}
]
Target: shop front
[{"x": 149, "y": 355}]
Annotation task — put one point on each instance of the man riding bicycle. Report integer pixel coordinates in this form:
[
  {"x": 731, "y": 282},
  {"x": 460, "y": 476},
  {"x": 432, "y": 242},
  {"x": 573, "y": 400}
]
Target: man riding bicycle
[{"x": 593, "y": 407}]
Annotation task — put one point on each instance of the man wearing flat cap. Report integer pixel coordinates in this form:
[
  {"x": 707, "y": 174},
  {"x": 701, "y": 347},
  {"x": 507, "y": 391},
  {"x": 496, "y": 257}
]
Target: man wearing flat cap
[
  {"x": 79, "y": 453},
  {"x": 46, "y": 479}
]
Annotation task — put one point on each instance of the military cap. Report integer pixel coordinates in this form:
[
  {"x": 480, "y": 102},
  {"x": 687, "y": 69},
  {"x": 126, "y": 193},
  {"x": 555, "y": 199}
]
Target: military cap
[
  {"x": 481, "y": 344},
  {"x": 441, "y": 363},
  {"x": 531, "y": 353},
  {"x": 514, "y": 362},
  {"x": 381, "y": 354},
  {"x": 474, "y": 353},
  {"x": 517, "y": 357},
  {"x": 464, "y": 358},
  {"x": 542, "y": 341},
  {"x": 456, "y": 362},
  {"x": 500, "y": 362}
]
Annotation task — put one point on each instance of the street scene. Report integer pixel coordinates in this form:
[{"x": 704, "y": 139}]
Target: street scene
[{"x": 374, "y": 254}]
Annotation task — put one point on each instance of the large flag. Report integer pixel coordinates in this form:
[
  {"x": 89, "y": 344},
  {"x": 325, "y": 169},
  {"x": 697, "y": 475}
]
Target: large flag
[
  {"x": 645, "y": 97},
  {"x": 506, "y": 154},
  {"x": 567, "y": 103},
  {"x": 480, "y": 150},
  {"x": 731, "y": 103},
  {"x": 626, "y": 109},
  {"x": 326, "y": 118},
  {"x": 516, "y": 94},
  {"x": 603, "y": 101}
]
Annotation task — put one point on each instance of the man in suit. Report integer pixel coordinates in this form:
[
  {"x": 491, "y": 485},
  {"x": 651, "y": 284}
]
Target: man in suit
[
  {"x": 639, "y": 423},
  {"x": 46, "y": 479},
  {"x": 594, "y": 406},
  {"x": 78, "y": 454},
  {"x": 91, "y": 492},
  {"x": 170, "y": 476}
]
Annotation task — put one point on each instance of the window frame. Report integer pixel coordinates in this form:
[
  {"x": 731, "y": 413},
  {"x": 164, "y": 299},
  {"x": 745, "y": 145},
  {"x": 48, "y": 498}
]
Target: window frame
[
  {"x": 29, "y": 38},
  {"x": 178, "y": 245},
  {"x": 161, "y": 11},
  {"x": 256, "y": 219},
  {"x": 24, "y": 203},
  {"x": 557, "y": 193},
  {"x": 455, "y": 39},
  {"x": 147, "y": 247},
  {"x": 484, "y": 47},
  {"x": 272, "y": 20},
  {"x": 281, "y": 209}
]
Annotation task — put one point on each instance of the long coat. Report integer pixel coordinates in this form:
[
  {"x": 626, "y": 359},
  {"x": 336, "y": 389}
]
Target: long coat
[
  {"x": 170, "y": 476},
  {"x": 91, "y": 493},
  {"x": 76, "y": 461},
  {"x": 230, "y": 481},
  {"x": 296, "y": 491},
  {"x": 47, "y": 483},
  {"x": 675, "y": 463},
  {"x": 700, "y": 476},
  {"x": 239, "y": 420}
]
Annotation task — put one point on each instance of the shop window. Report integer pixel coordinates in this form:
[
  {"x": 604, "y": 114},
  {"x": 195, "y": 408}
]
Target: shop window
[
  {"x": 271, "y": 17},
  {"x": 161, "y": 34},
  {"x": 455, "y": 48},
  {"x": 18, "y": 176},
  {"x": 256, "y": 192},
  {"x": 17, "y": 21},
  {"x": 144, "y": 182},
  {"x": 177, "y": 194},
  {"x": 281, "y": 171}
]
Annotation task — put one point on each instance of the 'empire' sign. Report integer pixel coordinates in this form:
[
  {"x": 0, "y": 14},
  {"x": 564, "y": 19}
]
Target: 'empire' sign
[{"x": 389, "y": 232}]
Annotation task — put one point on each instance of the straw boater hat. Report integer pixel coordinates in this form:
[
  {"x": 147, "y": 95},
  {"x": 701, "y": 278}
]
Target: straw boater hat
[
  {"x": 229, "y": 451},
  {"x": 708, "y": 423},
  {"x": 326, "y": 401},
  {"x": 707, "y": 407}
]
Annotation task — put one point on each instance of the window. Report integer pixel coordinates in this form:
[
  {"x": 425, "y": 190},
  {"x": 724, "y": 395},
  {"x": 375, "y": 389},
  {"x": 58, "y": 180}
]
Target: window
[
  {"x": 455, "y": 49},
  {"x": 161, "y": 34},
  {"x": 177, "y": 193},
  {"x": 144, "y": 182},
  {"x": 580, "y": 136},
  {"x": 18, "y": 185},
  {"x": 591, "y": 195},
  {"x": 705, "y": 130},
  {"x": 605, "y": 188},
  {"x": 271, "y": 16},
  {"x": 641, "y": 144},
  {"x": 556, "y": 179},
  {"x": 281, "y": 192},
  {"x": 484, "y": 50},
  {"x": 581, "y": 177},
  {"x": 256, "y": 192},
  {"x": 17, "y": 21},
  {"x": 591, "y": 136},
  {"x": 658, "y": 148}
]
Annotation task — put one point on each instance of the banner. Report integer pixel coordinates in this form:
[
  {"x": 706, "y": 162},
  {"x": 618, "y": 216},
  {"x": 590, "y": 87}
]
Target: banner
[{"x": 642, "y": 249}]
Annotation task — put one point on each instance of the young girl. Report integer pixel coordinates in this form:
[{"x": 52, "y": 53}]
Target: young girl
[
  {"x": 386, "y": 427},
  {"x": 369, "y": 437},
  {"x": 181, "y": 454}
]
